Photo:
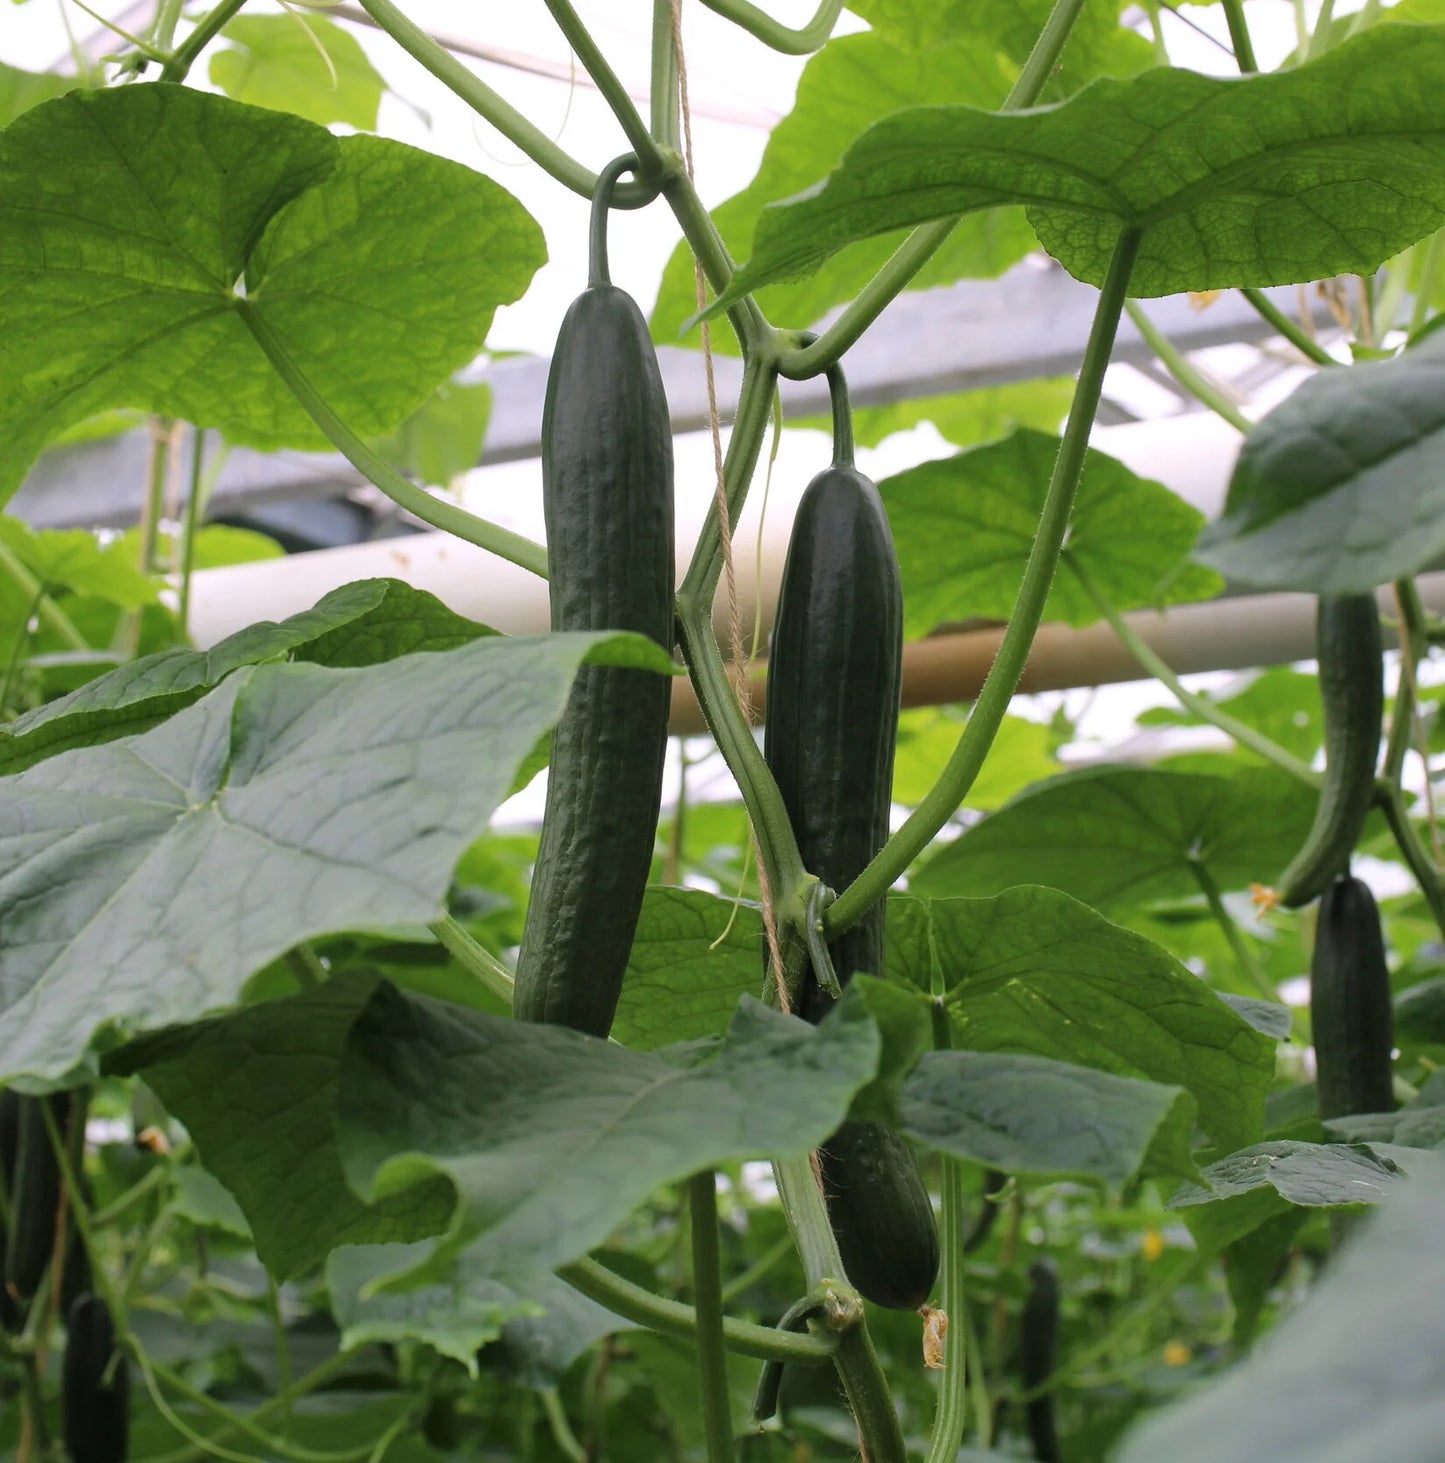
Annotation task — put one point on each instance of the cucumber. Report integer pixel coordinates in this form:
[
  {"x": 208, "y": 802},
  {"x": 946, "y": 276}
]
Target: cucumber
[
  {"x": 607, "y": 497},
  {"x": 34, "y": 1189},
  {"x": 1039, "y": 1357},
  {"x": 1352, "y": 696},
  {"x": 1350, "y": 1004},
  {"x": 94, "y": 1386},
  {"x": 834, "y": 681}
]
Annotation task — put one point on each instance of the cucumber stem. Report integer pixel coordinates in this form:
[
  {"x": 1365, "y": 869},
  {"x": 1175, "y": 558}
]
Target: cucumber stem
[
  {"x": 707, "y": 1301},
  {"x": 789, "y": 41},
  {"x": 597, "y": 272}
]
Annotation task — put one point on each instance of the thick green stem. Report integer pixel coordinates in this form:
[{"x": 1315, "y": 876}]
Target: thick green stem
[
  {"x": 195, "y": 506},
  {"x": 808, "y": 1220},
  {"x": 435, "y": 511},
  {"x": 801, "y": 41},
  {"x": 210, "y": 26},
  {"x": 1413, "y": 646},
  {"x": 602, "y": 74},
  {"x": 492, "y": 108},
  {"x": 476, "y": 959},
  {"x": 1185, "y": 373},
  {"x": 672, "y": 1318},
  {"x": 1416, "y": 855},
  {"x": 1201, "y": 706},
  {"x": 869, "y": 1398},
  {"x": 1263, "y": 987},
  {"x": 963, "y": 766},
  {"x": 1239, "y": 35},
  {"x": 1266, "y": 309},
  {"x": 712, "y": 1365},
  {"x": 664, "y": 100},
  {"x": 921, "y": 245},
  {"x": 49, "y": 613}
]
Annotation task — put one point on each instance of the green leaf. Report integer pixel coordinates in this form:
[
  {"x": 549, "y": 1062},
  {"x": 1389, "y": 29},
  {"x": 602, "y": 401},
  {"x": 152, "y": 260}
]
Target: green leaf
[
  {"x": 443, "y": 437},
  {"x": 363, "y": 623},
  {"x": 379, "y": 266},
  {"x": 1284, "y": 704},
  {"x": 1339, "y": 488},
  {"x": 219, "y": 545},
  {"x": 1034, "y": 971},
  {"x": 1330, "y": 168},
  {"x": 323, "y": 76},
  {"x": 552, "y": 1138},
  {"x": 21, "y": 90},
  {"x": 1021, "y": 754},
  {"x": 1420, "y": 1013},
  {"x": 1270, "y": 1017},
  {"x": 964, "y": 526},
  {"x": 142, "y": 882},
  {"x": 76, "y": 560},
  {"x": 678, "y": 987},
  {"x": 205, "y": 1201},
  {"x": 257, "y": 1091},
  {"x": 1249, "y": 1188},
  {"x": 1121, "y": 837},
  {"x": 1030, "y": 1115},
  {"x": 1356, "y": 1372}
]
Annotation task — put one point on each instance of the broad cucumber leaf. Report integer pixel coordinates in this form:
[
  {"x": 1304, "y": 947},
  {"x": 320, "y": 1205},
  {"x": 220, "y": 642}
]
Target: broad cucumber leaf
[
  {"x": 552, "y": 1138},
  {"x": 1330, "y": 168},
  {"x": 21, "y": 90},
  {"x": 323, "y": 76},
  {"x": 1282, "y": 703},
  {"x": 144, "y": 881},
  {"x": 964, "y": 526},
  {"x": 378, "y": 265},
  {"x": 1339, "y": 488},
  {"x": 1035, "y": 972},
  {"x": 1021, "y": 754},
  {"x": 1123, "y": 837},
  {"x": 364, "y": 623},
  {"x": 1358, "y": 1371},
  {"x": 77, "y": 561},
  {"x": 1031, "y": 1115},
  {"x": 442, "y": 438}
]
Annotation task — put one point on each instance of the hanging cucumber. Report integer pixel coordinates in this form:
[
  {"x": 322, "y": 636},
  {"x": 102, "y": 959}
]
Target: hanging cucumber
[
  {"x": 34, "y": 1190},
  {"x": 1039, "y": 1358},
  {"x": 94, "y": 1386},
  {"x": 834, "y": 680},
  {"x": 607, "y": 496},
  {"x": 1350, "y": 1008},
  {"x": 1352, "y": 697}
]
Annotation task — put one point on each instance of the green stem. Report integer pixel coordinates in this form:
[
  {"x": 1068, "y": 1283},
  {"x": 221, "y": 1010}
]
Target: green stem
[
  {"x": 952, "y": 1413},
  {"x": 1184, "y": 371},
  {"x": 1291, "y": 330},
  {"x": 746, "y": 1279},
  {"x": 435, "y": 511},
  {"x": 1205, "y": 709},
  {"x": 864, "y": 1381},
  {"x": 801, "y": 41},
  {"x": 152, "y": 1178},
  {"x": 614, "y": 93},
  {"x": 163, "y": 32},
  {"x": 978, "y": 1375},
  {"x": 712, "y": 1367},
  {"x": 921, "y": 245},
  {"x": 34, "y": 1396},
  {"x": 672, "y": 1318},
  {"x": 17, "y": 650},
  {"x": 1239, "y": 36},
  {"x": 717, "y": 264},
  {"x": 664, "y": 99},
  {"x": 195, "y": 506},
  {"x": 948, "y": 793},
  {"x": 476, "y": 959},
  {"x": 209, "y": 27},
  {"x": 499, "y": 113},
  {"x": 1416, "y": 855},
  {"x": 562, "y": 1433},
  {"x": 1413, "y": 646},
  {"x": 808, "y": 1221},
  {"x": 50, "y": 614},
  {"x": 1263, "y": 987},
  {"x": 1429, "y": 271},
  {"x": 1321, "y": 30},
  {"x": 306, "y": 966}
]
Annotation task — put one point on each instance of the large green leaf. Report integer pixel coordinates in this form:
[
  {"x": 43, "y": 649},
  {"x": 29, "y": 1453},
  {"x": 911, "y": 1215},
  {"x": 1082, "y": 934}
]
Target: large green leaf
[
  {"x": 75, "y": 560},
  {"x": 1021, "y": 754},
  {"x": 1030, "y": 1115},
  {"x": 21, "y": 90},
  {"x": 1329, "y": 168},
  {"x": 1121, "y": 837},
  {"x": 363, "y": 623},
  {"x": 137, "y": 217},
  {"x": 964, "y": 526},
  {"x": 1339, "y": 488},
  {"x": 1034, "y": 971},
  {"x": 142, "y": 882},
  {"x": 299, "y": 63},
  {"x": 1358, "y": 1371},
  {"x": 552, "y": 1138}
]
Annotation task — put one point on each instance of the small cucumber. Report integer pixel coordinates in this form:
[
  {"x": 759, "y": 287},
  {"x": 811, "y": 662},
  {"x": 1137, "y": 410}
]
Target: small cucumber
[
  {"x": 1039, "y": 1358},
  {"x": 94, "y": 1386},
  {"x": 1350, "y": 1004},
  {"x": 34, "y": 1187},
  {"x": 1352, "y": 697}
]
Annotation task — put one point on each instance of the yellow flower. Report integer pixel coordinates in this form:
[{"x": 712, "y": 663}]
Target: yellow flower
[{"x": 1176, "y": 1353}]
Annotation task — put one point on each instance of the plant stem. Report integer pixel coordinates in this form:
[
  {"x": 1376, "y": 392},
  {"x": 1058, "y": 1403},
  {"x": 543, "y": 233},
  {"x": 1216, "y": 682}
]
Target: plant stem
[
  {"x": 1321, "y": 31},
  {"x": 920, "y": 245},
  {"x": 435, "y": 511},
  {"x": 195, "y": 506},
  {"x": 1242, "y": 953},
  {"x": 562, "y": 1433},
  {"x": 476, "y": 959},
  {"x": 864, "y": 1381},
  {"x": 17, "y": 654},
  {"x": 1306, "y": 344},
  {"x": 1415, "y": 854},
  {"x": 612, "y": 90},
  {"x": 1201, "y": 706},
  {"x": 50, "y": 614},
  {"x": 801, "y": 41},
  {"x": 163, "y": 32},
  {"x": 717, "y": 264},
  {"x": 746, "y": 1279},
  {"x": 672, "y": 1318},
  {"x": 1239, "y": 35},
  {"x": 1429, "y": 271},
  {"x": 712, "y": 1367},
  {"x": 1183, "y": 370},
  {"x": 209, "y": 27},
  {"x": 664, "y": 99},
  {"x": 492, "y": 108},
  {"x": 963, "y": 765}
]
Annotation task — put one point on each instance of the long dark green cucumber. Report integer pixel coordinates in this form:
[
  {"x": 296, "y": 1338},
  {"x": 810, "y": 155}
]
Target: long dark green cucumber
[
  {"x": 1352, "y": 697},
  {"x": 94, "y": 1386},
  {"x": 34, "y": 1187},
  {"x": 607, "y": 495},
  {"x": 1039, "y": 1358},
  {"x": 834, "y": 682},
  {"x": 1351, "y": 1014}
]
